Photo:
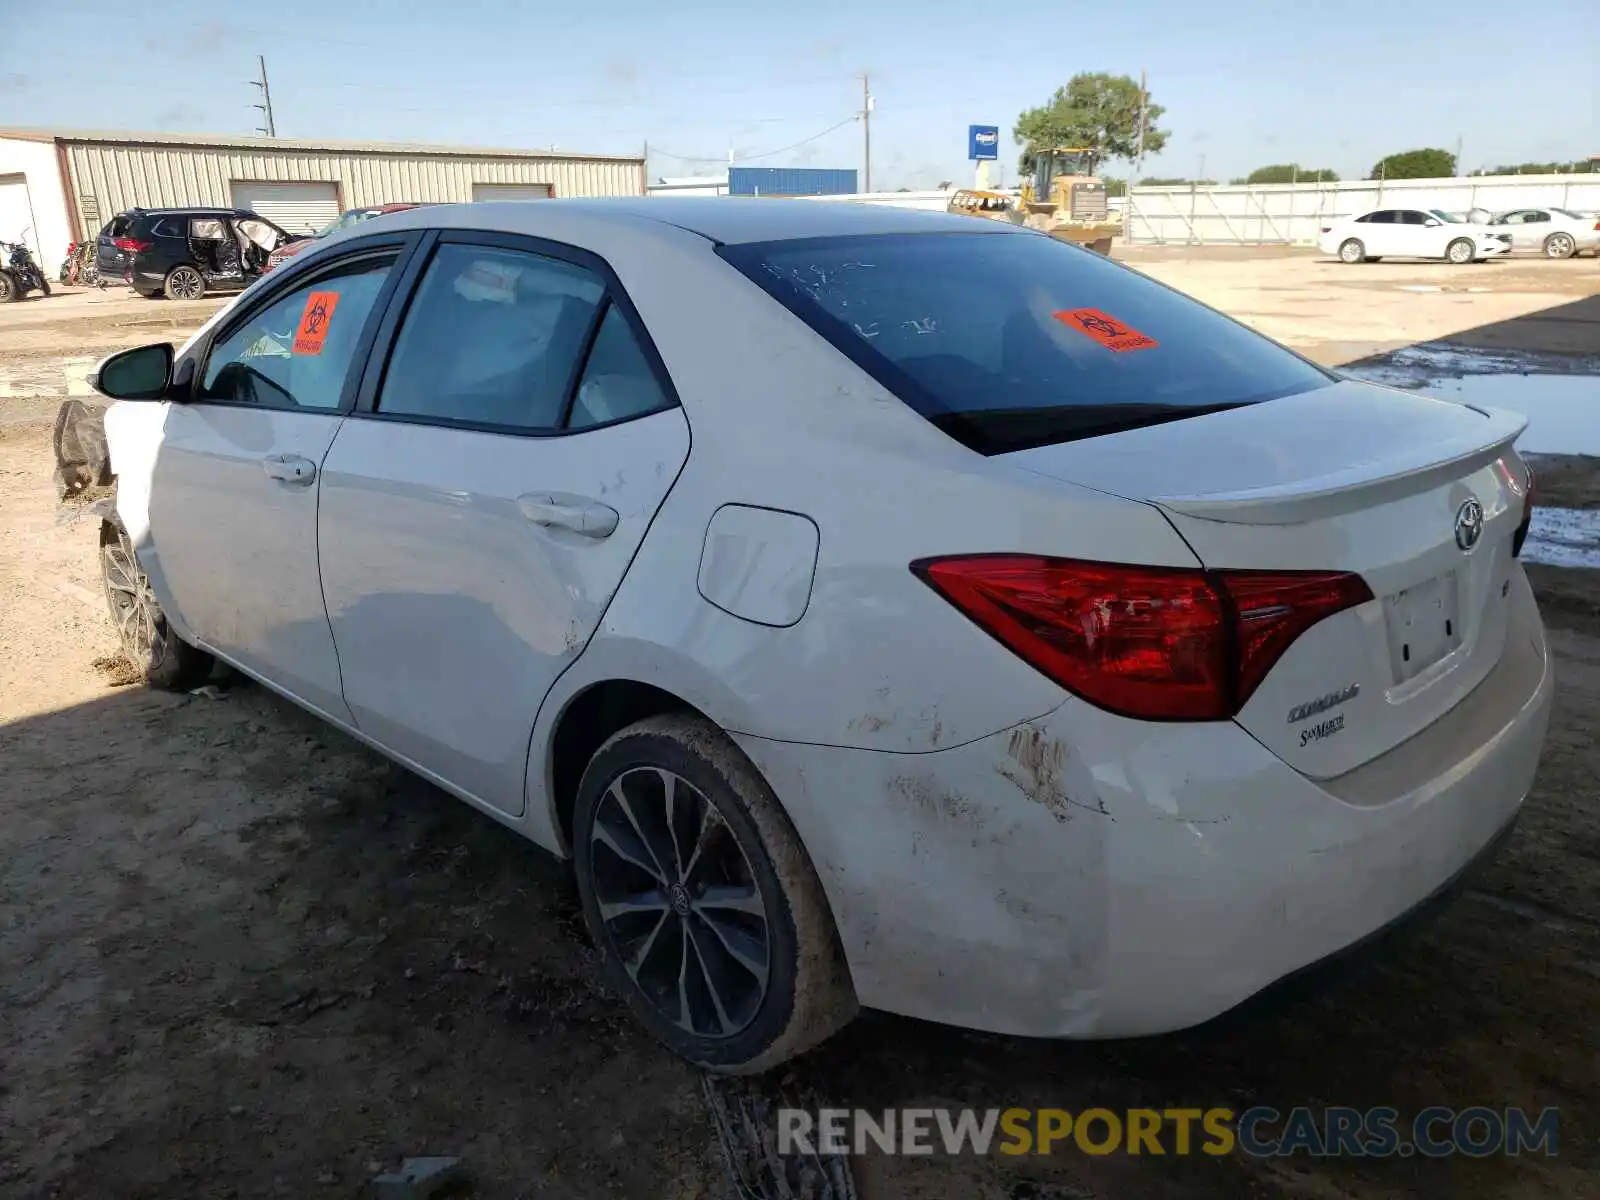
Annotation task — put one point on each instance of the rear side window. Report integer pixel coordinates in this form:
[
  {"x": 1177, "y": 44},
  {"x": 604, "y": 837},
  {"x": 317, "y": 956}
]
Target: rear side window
[
  {"x": 493, "y": 337},
  {"x": 618, "y": 383},
  {"x": 1012, "y": 340}
]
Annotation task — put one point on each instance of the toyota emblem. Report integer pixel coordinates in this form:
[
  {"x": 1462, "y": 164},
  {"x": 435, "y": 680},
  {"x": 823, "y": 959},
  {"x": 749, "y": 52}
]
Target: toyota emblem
[{"x": 1469, "y": 524}]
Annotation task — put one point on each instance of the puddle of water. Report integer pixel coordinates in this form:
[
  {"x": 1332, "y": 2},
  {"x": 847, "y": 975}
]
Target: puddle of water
[
  {"x": 1564, "y": 537},
  {"x": 1563, "y": 411},
  {"x": 1559, "y": 394},
  {"x": 60, "y": 377}
]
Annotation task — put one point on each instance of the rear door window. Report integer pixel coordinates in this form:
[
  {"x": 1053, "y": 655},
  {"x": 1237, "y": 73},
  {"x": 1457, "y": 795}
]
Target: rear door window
[
  {"x": 492, "y": 339},
  {"x": 1011, "y": 340}
]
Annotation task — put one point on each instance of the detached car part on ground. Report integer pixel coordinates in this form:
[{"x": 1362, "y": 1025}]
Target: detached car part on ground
[{"x": 1018, "y": 643}]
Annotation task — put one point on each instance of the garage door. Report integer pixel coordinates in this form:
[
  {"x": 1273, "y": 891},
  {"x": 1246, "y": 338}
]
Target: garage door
[
  {"x": 296, "y": 207},
  {"x": 14, "y": 213},
  {"x": 511, "y": 191}
]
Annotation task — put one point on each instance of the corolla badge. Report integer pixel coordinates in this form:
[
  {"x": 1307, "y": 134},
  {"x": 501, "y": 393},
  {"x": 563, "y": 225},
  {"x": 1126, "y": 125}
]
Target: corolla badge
[
  {"x": 1322, "y": 704},
  {"x": 1469, "y": 524}
]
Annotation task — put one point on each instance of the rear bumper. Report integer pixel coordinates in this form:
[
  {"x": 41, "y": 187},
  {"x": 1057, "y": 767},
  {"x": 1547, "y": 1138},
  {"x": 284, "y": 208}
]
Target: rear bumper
[{"x": 1082, "y": 875}]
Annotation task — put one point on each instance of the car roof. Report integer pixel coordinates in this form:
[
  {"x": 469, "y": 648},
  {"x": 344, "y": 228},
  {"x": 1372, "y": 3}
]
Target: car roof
[
  {"x": 187, "y": 208},
  {"x": 722, "y": 219}
]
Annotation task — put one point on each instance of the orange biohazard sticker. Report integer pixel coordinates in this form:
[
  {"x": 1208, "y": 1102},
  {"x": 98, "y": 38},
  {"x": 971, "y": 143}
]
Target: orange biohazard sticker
[
  {"x": 314, "y": 322},
  {"x": 1109, "y": 332}
]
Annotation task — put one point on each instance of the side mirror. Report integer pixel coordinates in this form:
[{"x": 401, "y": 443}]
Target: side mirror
[
  {"x": 143, "y": 373},
  {"x": 1431, "y": 223}
]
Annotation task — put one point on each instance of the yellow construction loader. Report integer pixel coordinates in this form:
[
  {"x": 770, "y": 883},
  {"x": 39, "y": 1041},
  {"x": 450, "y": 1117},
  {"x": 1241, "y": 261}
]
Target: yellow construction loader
[{"x": 1067, "y": 201}]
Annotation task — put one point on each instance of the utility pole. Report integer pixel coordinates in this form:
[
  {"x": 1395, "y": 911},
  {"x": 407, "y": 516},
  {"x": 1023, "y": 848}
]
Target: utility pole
[
  {"x": 1458, "y": 171},
  {"x": 866, "y": 133},
  {"x": 1144, "y": 109},
  {"x": 265, "y": 106}
]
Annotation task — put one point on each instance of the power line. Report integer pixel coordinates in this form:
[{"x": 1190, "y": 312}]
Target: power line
[{"x": 764, "y": 154}]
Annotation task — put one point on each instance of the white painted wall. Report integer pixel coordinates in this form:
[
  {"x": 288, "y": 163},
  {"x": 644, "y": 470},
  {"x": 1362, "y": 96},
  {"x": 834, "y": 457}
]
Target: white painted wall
[
  {"x": 1259, "y": 213},
  {"x": 929, "y": 201},
  {"x": 51, "y": 230}
]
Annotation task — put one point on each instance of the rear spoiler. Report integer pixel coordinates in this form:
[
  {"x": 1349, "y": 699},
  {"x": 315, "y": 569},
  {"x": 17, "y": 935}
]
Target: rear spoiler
[{"x": 1409, "y": 470}]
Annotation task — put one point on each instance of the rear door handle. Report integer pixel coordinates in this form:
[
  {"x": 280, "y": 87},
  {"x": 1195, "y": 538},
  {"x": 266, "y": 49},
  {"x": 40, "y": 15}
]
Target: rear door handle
[
  {"x": 578, "y": 514},
  {"x": 290, "y": 468}
]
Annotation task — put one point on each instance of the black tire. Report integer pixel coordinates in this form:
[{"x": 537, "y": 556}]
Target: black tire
[
  {"x": 184, "y": 282},
  {"x": 44, "y": 285},
  {"x": 159, "y": 656},
  {"x": 9, "y": 290},
  {"x": 1560, "y": 245},
  {"x": 1352, "y": 251},
  {"x": 745, "y": 853},
  {"x": 1454, "y": 255}
]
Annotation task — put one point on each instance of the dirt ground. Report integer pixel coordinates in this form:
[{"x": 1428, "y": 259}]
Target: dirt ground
[{"x": 241, "y": 956}]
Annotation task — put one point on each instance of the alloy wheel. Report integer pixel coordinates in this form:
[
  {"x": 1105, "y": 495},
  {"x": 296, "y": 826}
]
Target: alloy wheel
[
  {"x": 1460, "y": 252},
  {"x": 679, "y": 903},
  {"x": 1559, "y": 246},
  {"x": 140, "y": 626},
  {"x": 186, "y": 283}
]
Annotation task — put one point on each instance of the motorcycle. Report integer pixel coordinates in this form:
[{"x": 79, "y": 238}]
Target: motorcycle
[{"x": 21, "y": 274}]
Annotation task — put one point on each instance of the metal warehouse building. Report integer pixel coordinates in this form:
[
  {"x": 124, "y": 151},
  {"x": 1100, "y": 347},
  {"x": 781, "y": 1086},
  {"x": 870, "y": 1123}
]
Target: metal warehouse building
[{"x": 64, "y": 186}]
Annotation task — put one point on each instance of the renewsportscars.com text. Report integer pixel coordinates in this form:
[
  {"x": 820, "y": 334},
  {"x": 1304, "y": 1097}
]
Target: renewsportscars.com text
[{"x": 1262, "y": 1132}]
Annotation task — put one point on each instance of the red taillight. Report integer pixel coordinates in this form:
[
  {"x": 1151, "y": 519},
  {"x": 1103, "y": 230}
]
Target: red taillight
[
  {"x": 131, "y": 245},
  {"x": 1156, "y": 643}
]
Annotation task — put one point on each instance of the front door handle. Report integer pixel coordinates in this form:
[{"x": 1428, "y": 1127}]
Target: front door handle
[
  {"x": 578, "y": 514},
  {"x": 290, "y": 468}
]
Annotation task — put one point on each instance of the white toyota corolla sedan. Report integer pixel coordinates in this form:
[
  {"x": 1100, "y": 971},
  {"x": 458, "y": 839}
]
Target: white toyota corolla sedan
[{"x": 879, "y": 607}]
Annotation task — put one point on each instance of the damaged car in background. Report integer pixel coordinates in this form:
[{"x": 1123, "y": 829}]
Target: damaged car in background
[
  {"x": 1017, "y": 643},
  {"x": 182, "y": 253}
]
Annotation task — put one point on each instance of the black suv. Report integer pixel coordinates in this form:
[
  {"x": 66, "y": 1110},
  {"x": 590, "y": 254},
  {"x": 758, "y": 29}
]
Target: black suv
[{"x": 183, "y": 252}]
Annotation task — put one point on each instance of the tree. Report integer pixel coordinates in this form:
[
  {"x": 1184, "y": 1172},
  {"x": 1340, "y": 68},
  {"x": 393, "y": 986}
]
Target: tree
[
  {"x": 1547, "y": 168},
  {"x": 1416, "y": 164},
  {"x": 1095, "y": 109},
  {"x": 1290, "y": 173},
  {"x": 1176, "y": 181}
]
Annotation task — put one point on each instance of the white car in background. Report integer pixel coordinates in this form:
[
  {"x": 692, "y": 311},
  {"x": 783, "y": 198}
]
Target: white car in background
[
  {"x": 1015, "y": 643},
  {"x": 1411, "y": 233},
  {"x": 1553, "y": 232}
]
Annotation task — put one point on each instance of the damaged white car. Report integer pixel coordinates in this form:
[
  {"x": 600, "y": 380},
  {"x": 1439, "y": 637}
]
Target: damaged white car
[{"x": 880, "y": 608}]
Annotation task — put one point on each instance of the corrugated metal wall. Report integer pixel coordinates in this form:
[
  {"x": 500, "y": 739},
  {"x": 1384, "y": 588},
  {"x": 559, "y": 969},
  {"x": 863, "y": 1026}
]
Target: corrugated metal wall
[{"x": 149, "y": 175}]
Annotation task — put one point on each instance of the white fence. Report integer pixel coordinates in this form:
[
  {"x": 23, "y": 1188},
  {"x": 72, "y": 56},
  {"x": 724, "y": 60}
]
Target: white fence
[
  {"x": 1246, "y": 214},
  {"x": 931, "y": 200}
]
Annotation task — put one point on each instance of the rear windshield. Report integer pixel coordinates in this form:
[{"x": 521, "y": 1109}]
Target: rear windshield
[{"x": 1012, "y": 340}]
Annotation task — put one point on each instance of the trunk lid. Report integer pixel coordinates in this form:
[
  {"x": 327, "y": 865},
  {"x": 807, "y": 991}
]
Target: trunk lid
[{"x": 1349, "y": 477}]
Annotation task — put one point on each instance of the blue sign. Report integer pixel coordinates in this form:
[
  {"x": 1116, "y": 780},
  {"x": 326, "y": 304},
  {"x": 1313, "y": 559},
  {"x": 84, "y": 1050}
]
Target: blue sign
[{"x": 983, "y": 142}]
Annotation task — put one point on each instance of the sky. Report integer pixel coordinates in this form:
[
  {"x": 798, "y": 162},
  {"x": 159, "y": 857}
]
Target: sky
[{"x": 1245, "y": 84}]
